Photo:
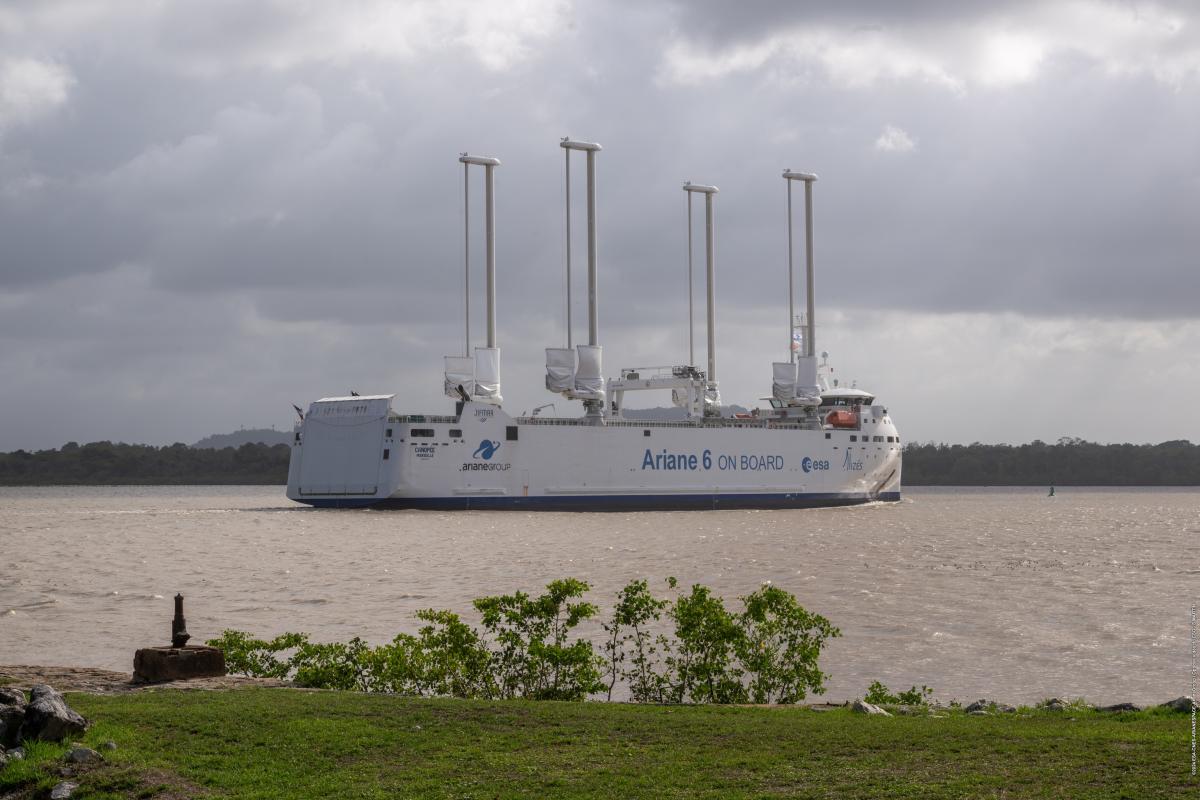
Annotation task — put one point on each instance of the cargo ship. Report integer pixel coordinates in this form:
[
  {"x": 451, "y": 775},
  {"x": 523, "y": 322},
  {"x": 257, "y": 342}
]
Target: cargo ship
[{"x": 812, "y": 443}]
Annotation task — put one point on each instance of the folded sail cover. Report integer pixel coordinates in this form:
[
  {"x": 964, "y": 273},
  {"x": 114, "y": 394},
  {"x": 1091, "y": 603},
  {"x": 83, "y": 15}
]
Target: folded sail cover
[
  {"x": 479, "y": 376},
  {"x": 560, "y": 369},
  {"x": 806, "y": 380},
  {"x": 589, "y": 383},
  {"x": 796, "y": 381},
  {"x": 460, "y": 371},
  {"x": 487, "y": 374},
  {"x": 712, "y": 400},
  {"x": 783, "y": 381}
]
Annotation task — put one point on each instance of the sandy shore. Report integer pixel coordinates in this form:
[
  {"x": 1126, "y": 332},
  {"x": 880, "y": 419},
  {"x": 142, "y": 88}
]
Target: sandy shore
[{"x": 103, "y": 681}]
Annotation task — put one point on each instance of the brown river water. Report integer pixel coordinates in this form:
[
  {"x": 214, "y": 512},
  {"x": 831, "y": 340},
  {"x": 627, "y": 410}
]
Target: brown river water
[{"x": 999, "y": 593}]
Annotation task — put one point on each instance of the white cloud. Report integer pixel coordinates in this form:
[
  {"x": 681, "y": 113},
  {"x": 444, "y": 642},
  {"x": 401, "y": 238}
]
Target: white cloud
[
  {"x": 30, "y": 88},
  {"x": 894, "y": 140},
  {"x": 213, "y": 38},
  {"x": 852, "y": 59}
]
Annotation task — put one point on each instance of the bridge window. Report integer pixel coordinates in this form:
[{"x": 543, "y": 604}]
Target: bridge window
[
  {"x": 455, "y": 433},
  {"x": 828, "y": 435},
  {"x": 646, "y": 432},
  {"x": 853, "y": 438},
  {"x": 389, "y": 433},
  {"x": 386, "y": 453},
  {"x": 510, "y": 433},
  {"x": 422, "y": 432}
]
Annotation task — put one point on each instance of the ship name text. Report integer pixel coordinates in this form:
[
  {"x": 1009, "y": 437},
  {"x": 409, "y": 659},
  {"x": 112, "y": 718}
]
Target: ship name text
[{"x": 729, "y": 462}]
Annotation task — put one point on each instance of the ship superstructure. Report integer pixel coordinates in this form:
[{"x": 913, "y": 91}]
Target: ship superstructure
[{"x": 813, "y": 443}]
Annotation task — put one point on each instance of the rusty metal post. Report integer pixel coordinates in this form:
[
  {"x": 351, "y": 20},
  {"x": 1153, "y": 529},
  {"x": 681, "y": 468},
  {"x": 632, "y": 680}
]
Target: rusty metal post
[{"x": 179, "y": 634}]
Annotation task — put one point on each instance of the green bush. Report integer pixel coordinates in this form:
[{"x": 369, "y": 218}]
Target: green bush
[
  {"x": 258, "y": 657},
  {"x": 879, "y": 694},
  {"x": 779, "y": 646},
  {"x": 635, "y": 610},
  {"x": 334, "y": 666},
  {"x": 702, "y": 666},
  {"x": 533, "y": 657},
  {"x": 448, "y": 659}
]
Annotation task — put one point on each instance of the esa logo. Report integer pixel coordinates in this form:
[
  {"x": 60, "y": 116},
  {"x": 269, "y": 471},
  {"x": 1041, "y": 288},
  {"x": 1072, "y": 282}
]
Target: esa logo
[
  {"x": 811, "y": 465},
  {"x": 486, "y": 450}
]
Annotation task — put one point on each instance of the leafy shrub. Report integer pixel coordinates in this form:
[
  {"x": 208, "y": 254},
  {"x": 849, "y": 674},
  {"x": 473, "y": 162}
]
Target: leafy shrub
[
  {"x": 702, "y": 666},
  {"x": 448, "y": 658},
  {"x": 257, "y": 657},
  {"x": 779, "y": 646},
  {"x": 636, "y": 609},
  {"x": 533, "y": 658},
  {"x": 334, "y": 665},
  {"x": 879, "y": 694},
  {"x": 915, "y": 696}
]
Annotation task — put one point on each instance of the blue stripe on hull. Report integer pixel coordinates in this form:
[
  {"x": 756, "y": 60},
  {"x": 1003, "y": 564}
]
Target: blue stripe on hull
[{"x": 618, "y": 502}]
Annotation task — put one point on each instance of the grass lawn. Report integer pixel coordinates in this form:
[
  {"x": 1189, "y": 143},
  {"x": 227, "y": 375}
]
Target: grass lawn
[{"x": 280, "y": 743}]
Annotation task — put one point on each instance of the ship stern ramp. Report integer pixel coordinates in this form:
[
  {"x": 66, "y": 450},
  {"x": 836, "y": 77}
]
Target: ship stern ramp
[{"x": 342, "y": 453}]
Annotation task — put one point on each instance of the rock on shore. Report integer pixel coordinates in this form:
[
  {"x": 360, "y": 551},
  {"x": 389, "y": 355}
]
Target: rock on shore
[{"x": 46, "y": 716}]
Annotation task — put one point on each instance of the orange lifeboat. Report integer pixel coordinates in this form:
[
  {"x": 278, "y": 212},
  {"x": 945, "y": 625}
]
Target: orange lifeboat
[{"x": 842, "y": 419}]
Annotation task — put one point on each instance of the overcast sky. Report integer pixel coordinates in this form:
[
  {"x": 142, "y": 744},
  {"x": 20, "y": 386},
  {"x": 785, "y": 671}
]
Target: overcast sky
[{"x": 210, "y": 211}]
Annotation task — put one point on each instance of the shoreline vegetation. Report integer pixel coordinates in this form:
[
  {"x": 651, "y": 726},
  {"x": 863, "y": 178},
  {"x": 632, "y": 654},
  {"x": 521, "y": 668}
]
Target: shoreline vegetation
[
  {"x": 527, "y": 648},
  {"x": 1067, "y": 462}
]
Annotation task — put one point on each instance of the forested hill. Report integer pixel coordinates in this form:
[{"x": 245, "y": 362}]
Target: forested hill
[
  {"x": 1069, "y": 462},
  {"x": 105, "y": 463}
]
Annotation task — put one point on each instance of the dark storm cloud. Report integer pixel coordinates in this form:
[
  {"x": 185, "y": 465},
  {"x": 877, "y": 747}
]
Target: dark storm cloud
[{"x": 717, "y": 22}]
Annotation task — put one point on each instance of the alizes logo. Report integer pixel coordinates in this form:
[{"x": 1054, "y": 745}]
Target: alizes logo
[{"x": 486, "y": 450}]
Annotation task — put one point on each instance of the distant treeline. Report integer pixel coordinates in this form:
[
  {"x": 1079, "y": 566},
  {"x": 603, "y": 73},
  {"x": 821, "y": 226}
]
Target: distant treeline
[
  {"x": 105, "y": 463},
  {"x": 1069, "y": 462}
]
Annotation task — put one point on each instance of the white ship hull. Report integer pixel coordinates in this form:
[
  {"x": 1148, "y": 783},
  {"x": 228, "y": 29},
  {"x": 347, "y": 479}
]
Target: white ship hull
[{"x": 357, "y": 452}]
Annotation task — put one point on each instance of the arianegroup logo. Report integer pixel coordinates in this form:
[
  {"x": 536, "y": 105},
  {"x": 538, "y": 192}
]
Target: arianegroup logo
[{"x": 486, "y": 450}]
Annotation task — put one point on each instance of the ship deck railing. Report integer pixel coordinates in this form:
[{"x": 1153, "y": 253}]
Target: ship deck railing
[
  {"x": 611, "y": 422},
  {"x": 710, "y": 422},
  {"x": 432, "y": 419}
]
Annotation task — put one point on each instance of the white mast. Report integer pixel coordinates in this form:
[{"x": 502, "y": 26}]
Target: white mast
[
  {"x": 809, "y": 338},
  {"x": 591, "y": 148},
  {"x": 710, "y": 254},
  {"x": 484, "y": 368},
  {"x": 805, "y": 387},
  {"x": 588, "y": 383}
]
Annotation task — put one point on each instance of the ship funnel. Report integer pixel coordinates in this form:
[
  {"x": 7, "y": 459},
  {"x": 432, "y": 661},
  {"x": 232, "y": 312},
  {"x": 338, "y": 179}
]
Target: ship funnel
[
  {"x": 712, "y": 396},
  {"x": 585, "y": 382},
  {"x": 806, "y": 379},
  {"x": 479, "y": 376}
]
